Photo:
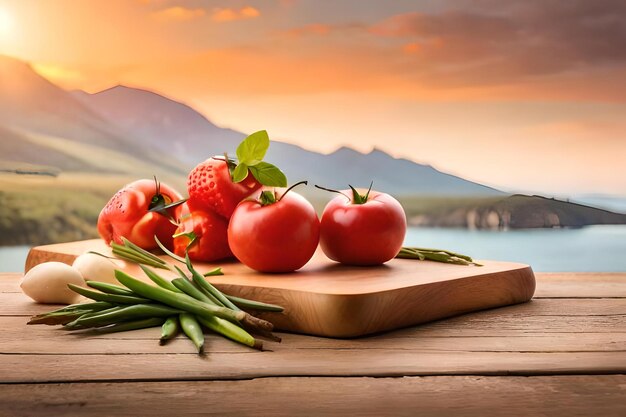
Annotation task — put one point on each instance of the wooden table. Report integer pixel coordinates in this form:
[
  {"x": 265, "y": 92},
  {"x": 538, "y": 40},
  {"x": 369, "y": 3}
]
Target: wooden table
[{"x": 564, "y": 353}]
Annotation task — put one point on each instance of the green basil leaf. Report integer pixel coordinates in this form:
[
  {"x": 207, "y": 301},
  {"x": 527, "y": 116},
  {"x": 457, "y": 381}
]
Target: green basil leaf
[
  {"x": 268, "y": 174},
  {"x": 253, "y": 148},
  {"x": 240, "y": 173}
]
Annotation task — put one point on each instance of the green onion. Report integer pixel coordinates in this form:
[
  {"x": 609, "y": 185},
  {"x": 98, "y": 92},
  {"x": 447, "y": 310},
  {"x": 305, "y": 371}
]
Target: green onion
[
  {"x": 132, "y": 325},
  {"x": 254, "y": 305},
  {"x": 108, "y": 288},
  {"x": 188, "y": 288},
  {"x": 109, "y": 298},
  {"x": 137, "y": 311},
  {"x": 177, "y": 300},
  {"x": 158, "y": 280},
  {"x": 204, "y": 284}
]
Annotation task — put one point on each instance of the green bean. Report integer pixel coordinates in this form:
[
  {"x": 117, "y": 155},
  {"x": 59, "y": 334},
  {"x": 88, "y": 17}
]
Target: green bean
[
  {"x": 137, "y": 311},
  {"x": 254, "y": 305},
  {"x": 231, "y": 331},
  {"x": 170, "y": 329},
  {"x": 204, "y": 284},
  {"x": 109, "y": 298},
  {"x": 177, "y": 300},
  {"x": 437, "y": 255},
  {"x": 188, "y": 288},
  {"x": 132, "y": 325},
  {"x": 192, "y": 329},
  {"x": 158, "y": 280},
  {"x": 458, "y": 255},
  {"x": 109, "y": 288}
]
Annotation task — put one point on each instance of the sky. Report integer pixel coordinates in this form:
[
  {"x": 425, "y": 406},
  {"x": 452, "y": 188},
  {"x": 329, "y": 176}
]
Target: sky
[{"x": 525, "y": 96}]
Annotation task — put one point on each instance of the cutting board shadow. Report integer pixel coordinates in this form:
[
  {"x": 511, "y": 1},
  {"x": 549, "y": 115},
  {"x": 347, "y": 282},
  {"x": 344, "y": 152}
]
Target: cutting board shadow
[{"x": 332, "y": 300}]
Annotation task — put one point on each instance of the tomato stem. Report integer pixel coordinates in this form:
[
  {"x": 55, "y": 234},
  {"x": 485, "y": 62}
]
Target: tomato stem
[
  {"x": 358, "y": 198},
  {"x": 333, "y": 191},
  {"x": 292, "y": 187}
]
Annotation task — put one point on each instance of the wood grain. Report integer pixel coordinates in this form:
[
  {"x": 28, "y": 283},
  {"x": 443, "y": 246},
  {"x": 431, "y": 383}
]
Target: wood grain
[
  {"x": 543, "y": 337},
  {"x": 44, "y": 371},
  {"x": 328, "y": 299},
  {"x": 465, "y": 396}
]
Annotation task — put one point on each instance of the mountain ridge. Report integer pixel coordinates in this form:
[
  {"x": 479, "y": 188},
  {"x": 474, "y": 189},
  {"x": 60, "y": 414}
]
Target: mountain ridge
[{"x": 156, "y": 119}]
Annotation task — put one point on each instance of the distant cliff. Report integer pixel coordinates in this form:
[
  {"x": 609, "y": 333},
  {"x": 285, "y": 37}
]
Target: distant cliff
[{"x": 512, "y": 212}]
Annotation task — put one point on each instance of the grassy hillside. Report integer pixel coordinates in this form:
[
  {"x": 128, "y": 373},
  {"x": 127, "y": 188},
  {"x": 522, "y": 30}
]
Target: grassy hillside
[{"x": 36, "y": 209}]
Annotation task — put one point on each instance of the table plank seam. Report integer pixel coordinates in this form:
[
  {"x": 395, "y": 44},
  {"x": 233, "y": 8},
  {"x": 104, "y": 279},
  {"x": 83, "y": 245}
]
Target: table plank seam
[{"x": 312, "y": 375}]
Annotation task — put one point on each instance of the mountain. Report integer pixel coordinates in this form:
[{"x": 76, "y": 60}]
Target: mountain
[
  {"x": 43, "y": 124},
  {"x": 157, "y": 122},
  {"x": 170, "y": 126}
]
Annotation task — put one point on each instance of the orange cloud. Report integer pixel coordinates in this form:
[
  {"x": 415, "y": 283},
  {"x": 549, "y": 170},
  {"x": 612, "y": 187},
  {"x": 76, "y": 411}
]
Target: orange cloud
[
  {"x": 178, "y": 13},
  {"x": 229, "y": 15},
  {"x": 312, "y": 29}
]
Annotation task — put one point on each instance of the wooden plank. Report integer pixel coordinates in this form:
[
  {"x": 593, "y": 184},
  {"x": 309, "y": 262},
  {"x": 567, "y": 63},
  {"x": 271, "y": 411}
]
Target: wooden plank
[
  {"x": 333, "y": 363},
  {"x": 19, "y": 304},
  {"x": 467, "y": 396},
  {"x": 17, "y": 339},
  {"x": 328, "y": 299},
  {"x": 580, "y": 285}
]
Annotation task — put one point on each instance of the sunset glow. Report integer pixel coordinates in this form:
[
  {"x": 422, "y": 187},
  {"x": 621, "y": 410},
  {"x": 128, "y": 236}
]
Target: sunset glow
[
  {"x": 6, "y": 23},
  {"x": 526, "y": 96}
]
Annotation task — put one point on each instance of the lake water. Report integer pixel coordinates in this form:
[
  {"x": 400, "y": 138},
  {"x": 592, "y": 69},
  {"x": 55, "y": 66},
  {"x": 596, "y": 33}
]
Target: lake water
[{"x": 593, "y": 248}]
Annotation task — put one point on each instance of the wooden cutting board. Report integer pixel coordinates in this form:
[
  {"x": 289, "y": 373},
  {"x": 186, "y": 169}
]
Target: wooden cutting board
[{"x": 328, "y": 299}]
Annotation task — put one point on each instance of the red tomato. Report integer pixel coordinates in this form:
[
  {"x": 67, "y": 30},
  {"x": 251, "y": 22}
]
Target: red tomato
[
  {"x": 367, "y": 233},
  {"x": 126, "y": 215},
  {"x": 277, "y": 237},
  {"x": 208, "y": 231}
]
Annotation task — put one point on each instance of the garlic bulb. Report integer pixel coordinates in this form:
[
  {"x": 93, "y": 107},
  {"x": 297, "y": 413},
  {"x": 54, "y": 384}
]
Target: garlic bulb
[
  {"x": 96, "y": 268},
  {"x": 47, "y": 283}
]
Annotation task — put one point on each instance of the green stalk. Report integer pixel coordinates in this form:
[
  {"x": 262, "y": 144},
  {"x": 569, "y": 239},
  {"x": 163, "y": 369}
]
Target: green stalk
[
  {"x": 201, "y": 294},
  {"x": 132, "y": 256},
  {"x": 187, "y": 287},
  {"x": 73, "y": 325},
  {"x": 158, "y": 280},
  {"x": 254, "y": 305},
  {"x": 143, "y": 252},
  {"x": 213, "y": 272},
  {"x": 458, "y": 255},
  {"x": 132, "y": 325},
  {"x": 168, "y": 252},
  {"x": 57, "y": 318},
  {"x": 108, "y": 288},
  {"x": 137, "y": 311},
  {"x": 95, "y": 306},
  {"x": 206, "y": 285},
  {"x": 177, "y": 300},
  {"x": 192, "y": 329},
  {"x": 435, "y": 255},
  {"x": 109, "y": 298},
  {"x": 231, "y": 331},
  {"x": 169, "y": 330}
]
